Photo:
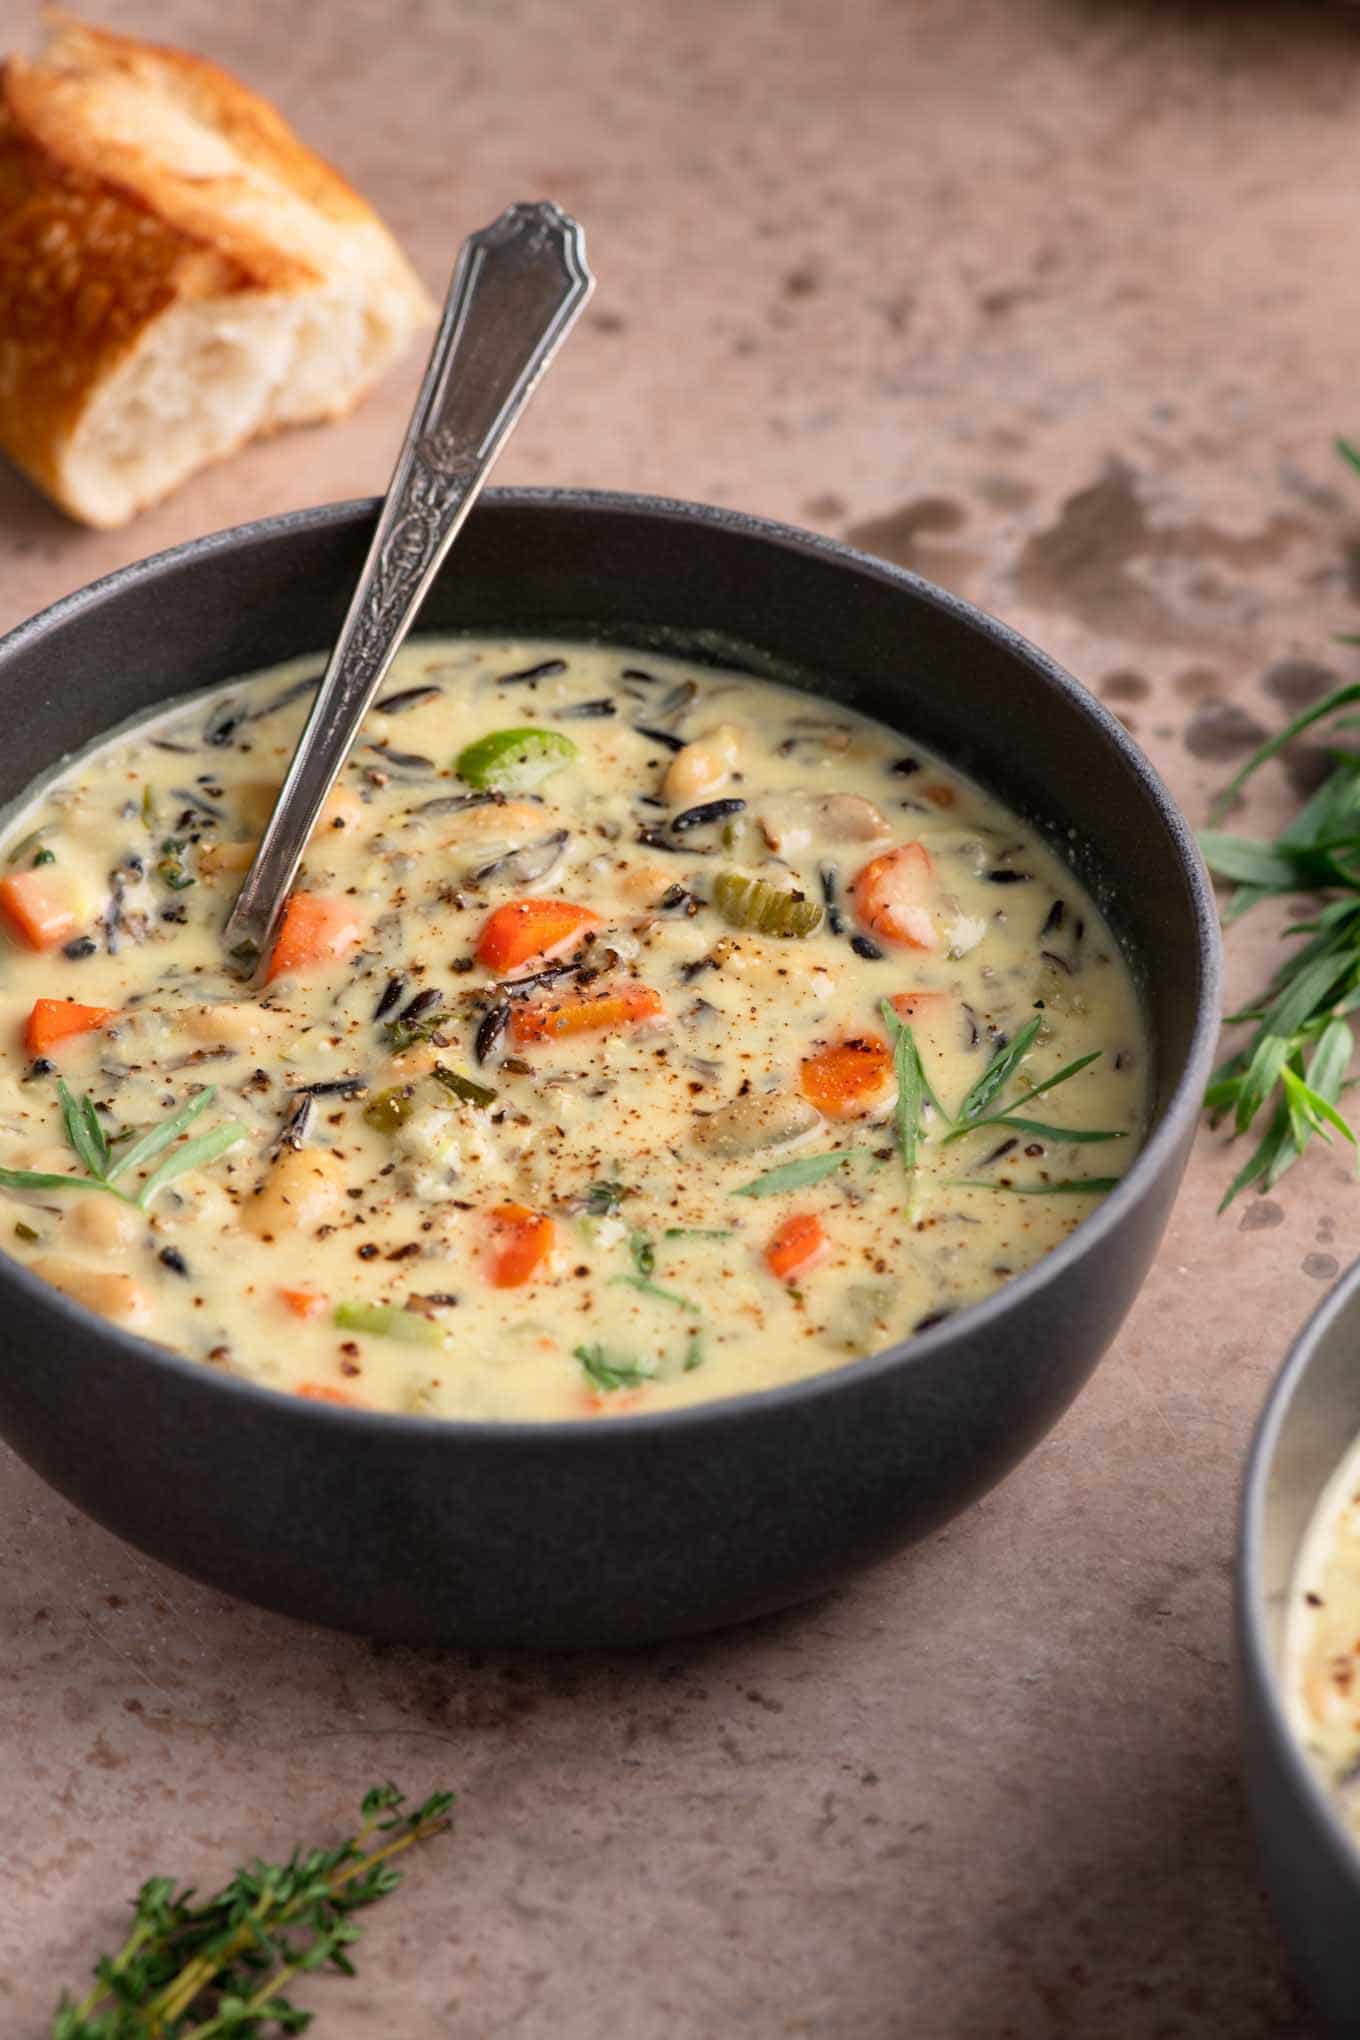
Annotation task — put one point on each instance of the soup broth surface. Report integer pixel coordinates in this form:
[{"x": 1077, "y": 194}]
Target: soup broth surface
[
  {"x": 1322, "y": 1640},
  {"x": 572, "y": 1089}
]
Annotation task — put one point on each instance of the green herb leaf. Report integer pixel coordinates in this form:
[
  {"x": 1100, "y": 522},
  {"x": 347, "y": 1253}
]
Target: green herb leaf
[
  {"x": 602, "y": 1199},
  {"x": 998, "y": 1073},
  {"x": 699, "y": 1232},
  {"x": 1071, "y": 1186},
  {"x": 607, "y": 1374},
  {"x": 1340, "y": 697},
  {"x": 911, "y": 1086},
  {"x": 83, "y": 1130},
  {"x": 400, "y": 1034},
  {"x": 1251, "y": 863},
  {"x": 1044, "y": 1131},
  {"x": 37, "y": 1179},
  {"x": 158, "y": 1137},
  {"x": 215, "y": 1968},
  {"x": 195, "y": 1154},
  {"x": 646, "y": 1287},
  {"x": 798, "y": 1175}
]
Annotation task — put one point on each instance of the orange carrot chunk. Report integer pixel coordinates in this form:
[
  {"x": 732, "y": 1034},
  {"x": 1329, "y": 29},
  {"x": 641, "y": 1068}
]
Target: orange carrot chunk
[
  {"x": 894, "y": 895},
  {"x": 919, "y": 1005},
  {"x": 521, "y": 1240},
  {"x": 39, "y": 907},
  {"x": 603, "y": 1013},
  {"x": 848, "y": 1079},
  {"x": 798, "y": 1245},
  {"x": 523, "y": 930},
  {"x": 56, "y": 1020},
  {"x": 315, "y": 929},
  {"x": 304, "y": 1303},
  {"x": 323, "y": 1391}
]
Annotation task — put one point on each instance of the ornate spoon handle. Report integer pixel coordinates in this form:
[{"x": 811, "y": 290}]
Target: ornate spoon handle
[{"x": 519, "y": 286}]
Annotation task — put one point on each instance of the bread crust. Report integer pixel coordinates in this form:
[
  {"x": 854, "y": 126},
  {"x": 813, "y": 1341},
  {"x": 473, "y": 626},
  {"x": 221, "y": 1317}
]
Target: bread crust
[{"x": 103, "y": 231}]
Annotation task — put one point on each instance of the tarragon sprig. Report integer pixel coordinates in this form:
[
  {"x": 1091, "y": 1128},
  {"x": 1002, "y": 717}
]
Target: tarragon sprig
[
  {"x": 216, "y": 1969},
  {"x": 95, "y": 1152},
  {"x": 1293, "y": 1068}
]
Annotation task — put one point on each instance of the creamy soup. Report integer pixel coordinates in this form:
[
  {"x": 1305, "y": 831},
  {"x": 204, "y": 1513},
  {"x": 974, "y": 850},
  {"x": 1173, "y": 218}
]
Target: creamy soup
[
  {"x": 1322, "y": 1639},
  {"x": 637, "y": 1033}
]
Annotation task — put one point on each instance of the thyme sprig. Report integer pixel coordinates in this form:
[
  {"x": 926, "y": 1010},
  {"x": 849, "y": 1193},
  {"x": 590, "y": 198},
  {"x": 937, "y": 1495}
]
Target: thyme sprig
[
  {"x": 93, "y": 1149},
  {"x": 1291, "y": 1072},
  {"x": 217, "y": 1969}
]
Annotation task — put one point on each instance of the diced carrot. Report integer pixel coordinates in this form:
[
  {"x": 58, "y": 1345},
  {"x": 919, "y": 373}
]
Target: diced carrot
[
  {"x": 893, "y": 895},
  {"x": 304, "y": 1303},
  {"x": 316, "y": 929},
  {"x": 603, "y": 1013},
  {"x": 521, "y": 1242},
  {"x": 39, "y": 906},
  {"x": 324, "y": 1391},
  {"x": 522, "y": 930},
  {"x": 919, "y": 1005},
  {"x": 56, "y": 1020},
  {"x": 800, "y": 1242},
  {"x": 848, "y": 1079}
]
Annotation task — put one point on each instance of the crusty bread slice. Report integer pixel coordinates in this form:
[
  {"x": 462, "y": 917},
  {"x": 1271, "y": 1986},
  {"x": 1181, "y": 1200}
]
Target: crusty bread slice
[{"x": 177, "y": 273}]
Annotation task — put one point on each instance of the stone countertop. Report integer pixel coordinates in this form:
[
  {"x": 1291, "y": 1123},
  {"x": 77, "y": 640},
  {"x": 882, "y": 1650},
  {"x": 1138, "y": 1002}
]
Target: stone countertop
[{"x": 1057, "y": 304}]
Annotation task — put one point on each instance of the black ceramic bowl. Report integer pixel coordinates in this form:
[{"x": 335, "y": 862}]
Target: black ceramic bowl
[
  {"x": 1312, "y": 1865},
  {"x": 644, "y": 1526}
]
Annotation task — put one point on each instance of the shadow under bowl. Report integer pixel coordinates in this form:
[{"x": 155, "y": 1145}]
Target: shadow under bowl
[
  {"x": 645, "y": 1526},
  {"x": 1310, "y": 1859}
]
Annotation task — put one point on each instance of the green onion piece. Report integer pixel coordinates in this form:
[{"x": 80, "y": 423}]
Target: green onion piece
[
  {"x": 44, "y": 857},
  {"x": 694, "y": 1353},
  {"x": 386, "y": 1321},
  {"x": 755, "y": 904},
  {"x": 514, "y": 759},
  {"x": 643, "y": 1252},
  {"x": 471, "y": 1092}
]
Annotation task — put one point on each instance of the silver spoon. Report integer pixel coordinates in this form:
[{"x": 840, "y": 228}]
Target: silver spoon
[{"x": 518, "y": 288}]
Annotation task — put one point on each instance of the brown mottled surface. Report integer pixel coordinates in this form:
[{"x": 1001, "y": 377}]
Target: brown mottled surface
[{"x": 1058, "y": 302}]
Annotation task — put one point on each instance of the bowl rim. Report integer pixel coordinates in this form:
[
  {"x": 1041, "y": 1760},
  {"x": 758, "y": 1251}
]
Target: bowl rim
[
  {"x": 1157, "y": 1151},
  {"x": 1257, "y": 1666}
]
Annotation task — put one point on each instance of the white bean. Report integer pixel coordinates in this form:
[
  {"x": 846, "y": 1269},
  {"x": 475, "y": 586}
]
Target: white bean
[
  {"x": 702, "y": 766},
  {"x": 105, "y": 1290}
]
